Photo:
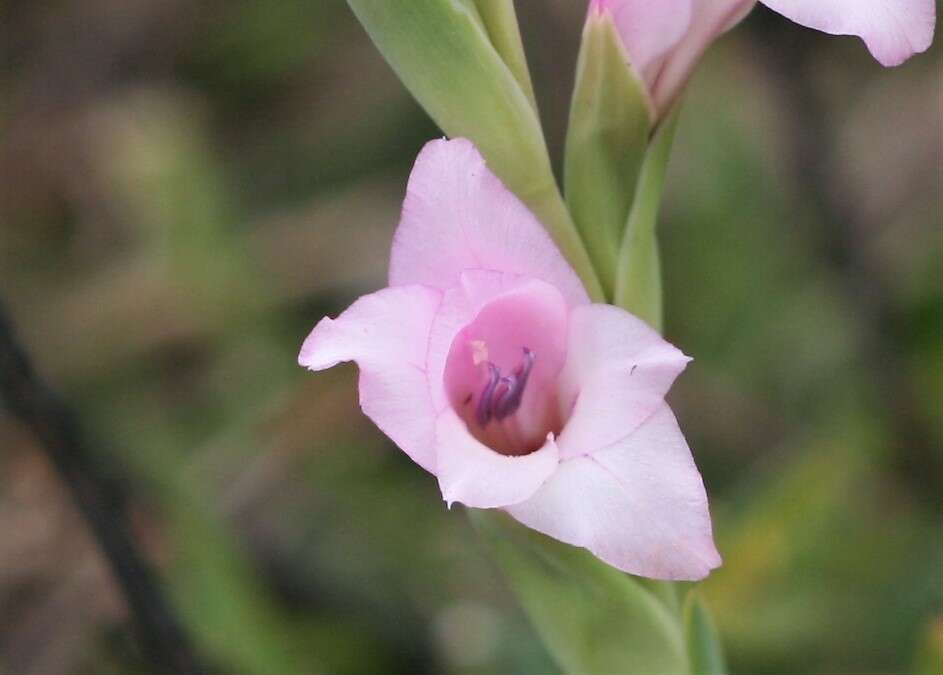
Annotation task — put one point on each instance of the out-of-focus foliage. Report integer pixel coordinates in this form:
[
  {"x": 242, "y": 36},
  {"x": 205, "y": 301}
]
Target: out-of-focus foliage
[{"x": 188, "y": 187}]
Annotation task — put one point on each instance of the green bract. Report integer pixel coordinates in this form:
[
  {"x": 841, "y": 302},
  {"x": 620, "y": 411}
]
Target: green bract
[
  {"x": 638, "y": 274},
  {"x": 594, "y": 619},
  {"x": 704, "y": 651},
  {"x": 605, "y": 146}
]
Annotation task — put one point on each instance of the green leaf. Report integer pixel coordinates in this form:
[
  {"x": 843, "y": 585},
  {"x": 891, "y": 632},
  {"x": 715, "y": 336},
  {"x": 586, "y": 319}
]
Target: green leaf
[
  {"x": 638, "y": 276},
  {"x": 704, "y": 650},
  {"x": 443, "y": 53},
  {"x": 593, "y": 619},
  {"x": 610, "y": 122}
]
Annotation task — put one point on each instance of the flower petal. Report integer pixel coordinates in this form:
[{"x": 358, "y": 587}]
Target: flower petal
[
  {"x": 475, "y": 475},
  {"x": 894, "y": 30},
  {"x": 387, "y": 334},
  {"x": 710, "y": 19},
  {"x": 617, "y": 372},
  {"x": 459, "y": 216},
  {"x": 648, "y": 30},
  {"x": 639, "y": 505},
  {"x": 499, "y": 321}
]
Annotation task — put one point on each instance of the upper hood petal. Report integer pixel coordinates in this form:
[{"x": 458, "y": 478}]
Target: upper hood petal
[{"x": 459, "y": 216}]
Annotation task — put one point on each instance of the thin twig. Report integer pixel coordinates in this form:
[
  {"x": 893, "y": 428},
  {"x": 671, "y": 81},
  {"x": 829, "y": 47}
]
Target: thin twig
[{"x": 101, "y": 500}]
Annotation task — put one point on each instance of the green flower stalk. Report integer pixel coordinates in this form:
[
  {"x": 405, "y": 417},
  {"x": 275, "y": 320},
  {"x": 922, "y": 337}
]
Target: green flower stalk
[{"x": 493, "y": 361}]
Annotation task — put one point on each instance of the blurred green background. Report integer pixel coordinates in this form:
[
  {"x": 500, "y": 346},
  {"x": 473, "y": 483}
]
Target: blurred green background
[{"x": 188, "y": 186}]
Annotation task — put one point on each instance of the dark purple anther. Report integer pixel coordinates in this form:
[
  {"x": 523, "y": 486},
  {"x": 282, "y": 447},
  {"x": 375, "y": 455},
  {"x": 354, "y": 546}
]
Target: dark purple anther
[
  {"x": 502, "y": 395},
  {"x": 516, "y": 383},
  {"x": 483, "y": 411}
]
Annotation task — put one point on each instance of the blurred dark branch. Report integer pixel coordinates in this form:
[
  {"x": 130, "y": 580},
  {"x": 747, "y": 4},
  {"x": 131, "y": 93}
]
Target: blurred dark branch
[
  {"x": 101, "y": 500},
  {"x": 792, "y": 59}
]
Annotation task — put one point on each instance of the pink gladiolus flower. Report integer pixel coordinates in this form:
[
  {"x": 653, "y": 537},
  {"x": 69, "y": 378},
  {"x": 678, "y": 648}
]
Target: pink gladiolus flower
[
  {"x": 665, "y": 39},
  {"x": 486, "y": 363}
]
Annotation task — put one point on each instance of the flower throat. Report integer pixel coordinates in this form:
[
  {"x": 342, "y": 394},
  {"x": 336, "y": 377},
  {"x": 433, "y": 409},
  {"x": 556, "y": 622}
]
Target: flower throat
[{"x": 502, "y": 394}]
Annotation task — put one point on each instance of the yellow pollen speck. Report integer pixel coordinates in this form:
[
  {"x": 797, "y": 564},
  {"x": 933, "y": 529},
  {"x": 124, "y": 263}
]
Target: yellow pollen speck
[{"x": 479, "y": 351}]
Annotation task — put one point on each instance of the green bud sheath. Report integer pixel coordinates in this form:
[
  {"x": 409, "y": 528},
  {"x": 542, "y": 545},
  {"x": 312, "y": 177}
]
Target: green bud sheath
[
  {"x": 638, "y": 272},
  {"x": 610, "y": 123}
]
